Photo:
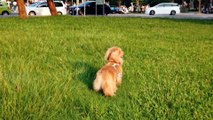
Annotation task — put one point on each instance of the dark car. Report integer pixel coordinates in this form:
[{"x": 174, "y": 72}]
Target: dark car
[
  {"x": 114, "y": 9},
  {"x": 89, "y": 8}
]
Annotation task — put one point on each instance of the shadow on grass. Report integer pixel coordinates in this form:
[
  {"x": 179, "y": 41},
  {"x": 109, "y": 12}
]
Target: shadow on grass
[{"x": 87, "y": 73}]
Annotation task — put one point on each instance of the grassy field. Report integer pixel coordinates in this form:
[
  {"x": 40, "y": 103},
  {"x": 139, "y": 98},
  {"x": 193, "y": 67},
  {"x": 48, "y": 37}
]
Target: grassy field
[{"x": 48, "y": 64}]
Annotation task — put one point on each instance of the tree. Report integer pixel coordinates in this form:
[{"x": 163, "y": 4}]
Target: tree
[
  {"x": 52, "y": 7},
  {"x": 199, "y": 8},
  {"x": 21, "y": 9}
]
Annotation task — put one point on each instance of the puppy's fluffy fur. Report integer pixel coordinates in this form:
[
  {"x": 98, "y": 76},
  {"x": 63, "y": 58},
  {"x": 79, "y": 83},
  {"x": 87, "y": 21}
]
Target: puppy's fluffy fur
[{"x": 109, "y": 77}]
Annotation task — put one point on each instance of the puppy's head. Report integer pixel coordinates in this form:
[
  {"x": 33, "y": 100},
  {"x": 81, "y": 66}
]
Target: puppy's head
[{"x": 114, "y": 54}]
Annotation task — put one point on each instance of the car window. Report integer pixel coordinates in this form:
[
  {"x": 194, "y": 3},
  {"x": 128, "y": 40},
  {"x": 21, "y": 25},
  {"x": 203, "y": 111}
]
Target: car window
[
  {"x": 33, "y": 5},
  {"x": 43, "y": 5},
  {"x": 174, "y": 4},
  {"x": 162, "y": 5},
  {"x": 167, "y": 5},
  {"x": 86, "y": 4},
  {"x": 92, "y": 4},
  {"x": 58, "y": 4}
]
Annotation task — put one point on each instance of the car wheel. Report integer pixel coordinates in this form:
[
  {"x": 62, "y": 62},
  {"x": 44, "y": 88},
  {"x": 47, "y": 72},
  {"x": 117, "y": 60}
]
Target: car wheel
[
  {"x": 70, "y": 12},
  {"x": 152, "y": 12},
  {"x": 59, "y": 13},
  {"x": 173, "y": 12},
  {"x": 32, "y": 13},
  {"x": 5, "y": 13}
]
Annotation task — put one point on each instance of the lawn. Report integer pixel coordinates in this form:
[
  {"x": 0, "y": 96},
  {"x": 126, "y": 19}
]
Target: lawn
[{"x": 48, "y": 64}]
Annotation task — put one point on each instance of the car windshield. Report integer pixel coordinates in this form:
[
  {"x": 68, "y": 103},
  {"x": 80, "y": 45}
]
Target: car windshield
[
  {"x": 34, "y": 4},
  {"x": 86, "y": 3}
]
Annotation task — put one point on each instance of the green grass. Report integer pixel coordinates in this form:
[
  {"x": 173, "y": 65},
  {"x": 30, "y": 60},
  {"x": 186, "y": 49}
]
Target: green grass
[{"x": 48, "y": 64}]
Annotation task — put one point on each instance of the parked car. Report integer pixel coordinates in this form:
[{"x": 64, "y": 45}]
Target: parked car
[
  {"x": 89, "y": 7},
  {"x": 163, "y": 8},
  {"x": 41, "y": 8},
  {"x": 114, "y": 9},
  {"x": 4, "y": 9}
]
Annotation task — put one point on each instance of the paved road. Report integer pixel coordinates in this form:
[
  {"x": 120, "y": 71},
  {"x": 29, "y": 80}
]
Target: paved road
[
  {"x": 190, "y": 15},
  {"x": 11, "y": 15}
]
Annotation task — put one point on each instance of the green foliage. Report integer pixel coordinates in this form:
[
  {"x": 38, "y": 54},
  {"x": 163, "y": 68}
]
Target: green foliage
[{"x": 48, "y": 64}]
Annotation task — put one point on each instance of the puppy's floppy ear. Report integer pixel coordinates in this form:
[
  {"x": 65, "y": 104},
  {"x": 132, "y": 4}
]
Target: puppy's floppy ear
[
  {"x": 108, "y": 54},
  {"x": 114, "y": 54}
]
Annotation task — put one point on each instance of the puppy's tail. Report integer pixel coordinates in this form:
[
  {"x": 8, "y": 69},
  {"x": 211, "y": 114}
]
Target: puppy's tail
[{"x": 97, "y": 84}]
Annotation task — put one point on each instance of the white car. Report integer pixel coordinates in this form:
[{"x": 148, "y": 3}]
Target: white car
[
  {"x": 164, "y": 8},
  {"x": 42, "y": 9}
]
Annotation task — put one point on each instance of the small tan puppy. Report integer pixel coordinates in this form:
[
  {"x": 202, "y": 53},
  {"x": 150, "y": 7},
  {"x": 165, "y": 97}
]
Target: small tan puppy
[{"x": 109, "y": 77}]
